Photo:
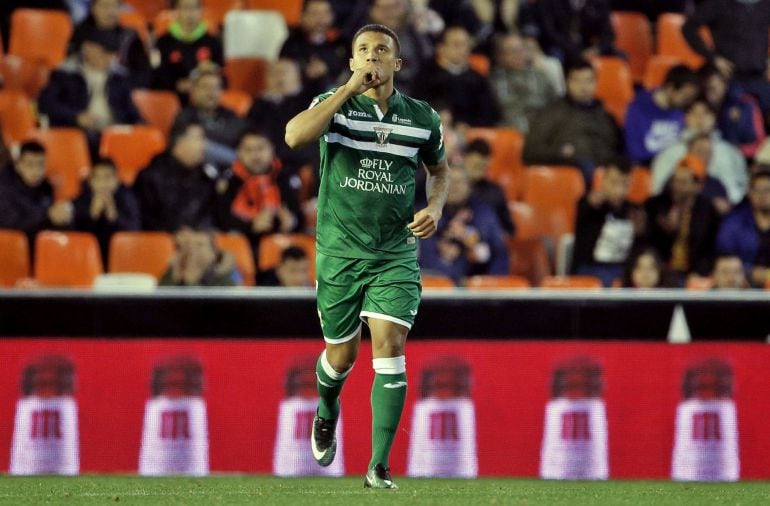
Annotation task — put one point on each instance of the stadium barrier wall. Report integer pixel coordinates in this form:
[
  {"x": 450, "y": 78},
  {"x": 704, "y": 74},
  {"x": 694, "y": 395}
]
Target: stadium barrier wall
[{"x": 477, "y": 404}]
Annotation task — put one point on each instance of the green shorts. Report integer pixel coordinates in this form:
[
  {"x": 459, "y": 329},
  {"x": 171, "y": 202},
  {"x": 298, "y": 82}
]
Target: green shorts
[{"x": 351, "y": 290}]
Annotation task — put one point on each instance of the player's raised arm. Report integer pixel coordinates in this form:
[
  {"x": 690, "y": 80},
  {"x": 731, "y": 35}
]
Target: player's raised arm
[
  {"x": 306, "y": 127},
  {"x": 426, "y": 220}
]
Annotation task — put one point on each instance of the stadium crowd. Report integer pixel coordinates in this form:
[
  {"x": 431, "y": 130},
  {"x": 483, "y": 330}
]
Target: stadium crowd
[{"x": 579, "y": 142}]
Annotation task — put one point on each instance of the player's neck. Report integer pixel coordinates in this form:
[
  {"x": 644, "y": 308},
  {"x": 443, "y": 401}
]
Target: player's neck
[{"x": 381, "y": 94}]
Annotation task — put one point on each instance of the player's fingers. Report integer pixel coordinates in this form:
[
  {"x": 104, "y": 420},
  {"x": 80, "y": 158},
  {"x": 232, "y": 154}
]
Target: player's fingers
[{"x": 418, "y": 220}]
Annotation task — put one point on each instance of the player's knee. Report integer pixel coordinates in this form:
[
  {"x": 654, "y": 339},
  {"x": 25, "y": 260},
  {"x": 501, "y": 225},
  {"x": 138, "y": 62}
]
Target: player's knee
[
  {"x": 341, "y": 360},
  {"x": 390, "y": 365},
  {"x": 389, "y": 349}
]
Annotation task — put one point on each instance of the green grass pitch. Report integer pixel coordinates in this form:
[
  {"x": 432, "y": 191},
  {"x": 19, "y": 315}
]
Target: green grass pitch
[{"x": 265, "y": 490}]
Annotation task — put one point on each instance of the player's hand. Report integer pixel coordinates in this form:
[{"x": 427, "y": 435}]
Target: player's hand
[
  {"x": 425, "y": 222},
  {"x": 363, "y": 78}
]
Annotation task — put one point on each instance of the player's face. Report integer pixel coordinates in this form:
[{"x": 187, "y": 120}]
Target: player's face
[{"x": 379, "y": 49}]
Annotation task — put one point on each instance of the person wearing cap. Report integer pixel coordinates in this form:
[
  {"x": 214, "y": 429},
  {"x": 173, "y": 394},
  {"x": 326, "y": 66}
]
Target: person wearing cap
[
  {"x": 90, "y": 90},
  {"x": 682, "y": 222}
]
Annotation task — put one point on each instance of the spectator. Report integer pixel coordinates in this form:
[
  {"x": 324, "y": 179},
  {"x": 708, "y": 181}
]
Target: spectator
[
  {"x": 745, "y": 232},
  {"x": 26, "y": 196},
  {"x": 702, "y": 147},
  {"x": 519, "y": 87},
  {"x": 222, "y": 126},
  {"x": 728, "y": 273},
  {"x": 89, "y": 90},
  {"x": 450, "y": 78},
  {"x": 469, "y": 239},
  {"x": 187, "y": 46},
  {"x": 577, "y": 29},
  {"x": 199, "y": 262},
  {"x": 414, "y": 47},
  {"x": 105, "y": 206},
  {"x": 293, "y": 271},
  {"x": 178, "y": 189},
  {"x": 738, "y": 117},
  {"x": 655, "y": 119},
  {"x": 763, "y": 154},
  {"x": 548, "y": 65},
  {"x": 316, "y": 46},
  {"x": 682, "y": 222},
  {"x": 575, "y": 130},
  {"x": 285, "y": 96},
  {"x": 104, "y": 16},
  {"x": 739, "y": 29},
  {"x": 725, "y": 163},
  {"x": 606, "y": 226},
  {"x": 253, "y": 193},
  {"x": 476, "y": 163},
  {"x": 644, "y": 269}
]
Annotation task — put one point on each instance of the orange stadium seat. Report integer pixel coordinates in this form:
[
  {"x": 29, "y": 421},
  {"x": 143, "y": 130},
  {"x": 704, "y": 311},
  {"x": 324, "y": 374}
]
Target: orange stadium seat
[
  {"x": 633, "y": 36},
  {"x": 553, "y": 193},
  {"x": 614, "y": 85},
  {"x": 17, "y": 116},
  {"x": 271, "y": 246},
  {"x": 523, "y": 217},
  {"x": 148, "y": 8},
  {"x": 639, "y": 184},
  {"x": 135, "y": 21},
  {"x": 506, "y": 167},
  {"x": 237, "y": 101},
  {"x": 529, "y": 259},
  {"x": 290, "y": 9},
  {"x": 144, "y": 252},
  {"x": 671, "y": 42},
  {"x": 571, "y": 282},
  {"x": 237, "y": 244},
  {"x": 164, "y": 18},
  {"x": 657, "y": 68},
  {"x": 131, "y": 147},
  {"x": 218, "y": 8},
  {"x": 14, "y": 257},
  {"x": 66, "y": 259},
  {"x": 29, "y": 76},
  {"x": 437, "y": 282},
  {"x": 487, "y": 282},
  {"x": 158, "y": 108},
  {"x": 246, "y": 75},
  {"x": 68, "y": 159},
  {"x": 40, "y": 34}
]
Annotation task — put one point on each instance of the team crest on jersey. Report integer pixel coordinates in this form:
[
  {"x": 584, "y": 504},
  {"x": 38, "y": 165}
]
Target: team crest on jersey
[{"x": 382, "y": 135}]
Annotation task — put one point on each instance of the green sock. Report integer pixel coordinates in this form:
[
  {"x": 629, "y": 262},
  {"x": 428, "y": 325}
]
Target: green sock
[
  {"x": 329, "y": 383},
  {"x": 388, "y": 397}
]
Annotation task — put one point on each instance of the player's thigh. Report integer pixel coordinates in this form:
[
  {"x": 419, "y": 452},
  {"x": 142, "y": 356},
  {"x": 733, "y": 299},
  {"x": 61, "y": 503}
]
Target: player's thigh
[
  {"x": 393, "y": 293},
  {"x": 340, "y": 297}
]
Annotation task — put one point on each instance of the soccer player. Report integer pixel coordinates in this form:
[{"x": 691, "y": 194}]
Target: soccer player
[{"x": 373, "y": 140}]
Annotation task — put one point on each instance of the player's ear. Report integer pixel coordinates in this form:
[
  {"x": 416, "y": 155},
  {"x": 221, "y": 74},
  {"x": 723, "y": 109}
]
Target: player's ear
[
  {"x": 350, "y": 64},
  {"x": 397, "y": 64}
]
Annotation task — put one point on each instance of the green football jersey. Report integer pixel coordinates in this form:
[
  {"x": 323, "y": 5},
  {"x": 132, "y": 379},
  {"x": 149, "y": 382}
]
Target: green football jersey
[{"x": 369, "y": 161}]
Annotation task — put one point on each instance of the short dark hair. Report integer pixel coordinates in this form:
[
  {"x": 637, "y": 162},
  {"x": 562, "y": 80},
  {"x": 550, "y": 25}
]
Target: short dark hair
[
  {"x": 577, "y": 64},
  {"x": 620, "y": 162},
  {"x": 179, "y": 129},
  {"x": 103, "y": 161},
  {"x": 701, "y": 99},
  {"x": 252, "y": 132},
  {"x": 293, "y": 253},
  {"x": 478, "y": 146},
  {"x": 446, "y": 30},
  {"x": 680, "y": 76},
  {"x": 31, "y": 147},
  {"x": 375, "y": 27},
  {"x": 762, "y": 172}
]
